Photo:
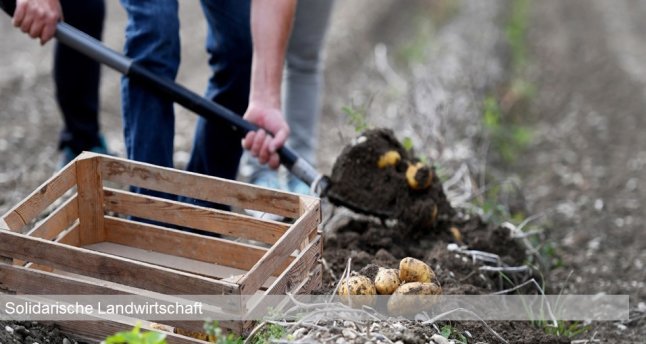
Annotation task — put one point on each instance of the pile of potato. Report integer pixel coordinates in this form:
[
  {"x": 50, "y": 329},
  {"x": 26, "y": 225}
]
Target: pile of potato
[{"x": 413, "y": 277}]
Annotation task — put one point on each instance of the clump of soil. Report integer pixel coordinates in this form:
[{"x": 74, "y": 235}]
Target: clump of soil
[
  {"x": 31, "y": 332},
  {"x": 359, "y": 184},
  {"x": 371, "y": 243}
]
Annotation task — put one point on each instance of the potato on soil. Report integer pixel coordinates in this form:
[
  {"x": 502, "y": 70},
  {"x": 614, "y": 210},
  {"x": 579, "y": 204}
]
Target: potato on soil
[
  {"x": 412, "y": 298},
  {"x": 419, "y": 176},
  {"x": 415, "y": 270},
  {"x": 390, "y": 158},
  {"x": 387, "y": 281},
  {"x": 360, "y": 288}
]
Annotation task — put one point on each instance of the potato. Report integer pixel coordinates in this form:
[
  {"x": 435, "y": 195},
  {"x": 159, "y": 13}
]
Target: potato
[
  {"x": 360, "y": 288},
  {"x": 419, "y": 176},
  {"x": 412, "y": 298},
  {"x": 386, "y": 281},
  {"x": 415, "y": 270},
  {"x": 390, "y": 158}
]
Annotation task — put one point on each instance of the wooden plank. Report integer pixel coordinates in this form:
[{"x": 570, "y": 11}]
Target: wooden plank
[
  {"x": 191, "y": 216},
  {"x": 67, "y": 237},
  {"x": 198, "y": 186},
  {"x": 178, "y": 263},
  {"x": 27, "y": 281},
  {"x": 90, "y": 199},
  {"x": 313, "y": 282},
  {"x": 298, "y": 270},
  {"x": 37, "y": 282},
  {"x": 183, "y": 244},
  {"x": 57, "y": 221},
  {"x": 71, "y": 236},
  {"x": 278, "y": 254},
  {"x": 48, "y": 192},
  {"x": 109, "y": 268}
]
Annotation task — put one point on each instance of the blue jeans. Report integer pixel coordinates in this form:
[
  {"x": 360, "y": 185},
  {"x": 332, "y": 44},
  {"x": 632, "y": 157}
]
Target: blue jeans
[{"x": 152, "y": 40}]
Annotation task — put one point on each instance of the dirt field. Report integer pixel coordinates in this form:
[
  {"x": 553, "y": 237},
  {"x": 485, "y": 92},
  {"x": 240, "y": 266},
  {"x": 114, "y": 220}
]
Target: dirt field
[{"x": 423, "y": 69}]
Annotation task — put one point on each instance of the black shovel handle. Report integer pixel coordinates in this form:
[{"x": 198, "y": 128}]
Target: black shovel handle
[{"x": 208, "y": 109}]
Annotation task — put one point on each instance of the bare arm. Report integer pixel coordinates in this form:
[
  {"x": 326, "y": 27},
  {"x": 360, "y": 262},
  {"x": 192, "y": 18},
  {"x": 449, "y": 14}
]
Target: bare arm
[
  {"x": 271, "y": 22},
  {"x": 38, "y": 18}
]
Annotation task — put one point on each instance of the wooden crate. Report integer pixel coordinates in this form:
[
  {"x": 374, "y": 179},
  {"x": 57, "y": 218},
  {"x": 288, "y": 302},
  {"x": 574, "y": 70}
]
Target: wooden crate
[{"x": 86, "y": 244}]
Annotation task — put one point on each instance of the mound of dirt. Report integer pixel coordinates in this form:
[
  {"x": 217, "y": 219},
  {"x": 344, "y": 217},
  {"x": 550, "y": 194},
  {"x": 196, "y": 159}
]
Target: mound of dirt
[
  {"x": 359, "y": 184},
  {"x": 369, "y": 242},
  {"x": 31, "y": 332}
]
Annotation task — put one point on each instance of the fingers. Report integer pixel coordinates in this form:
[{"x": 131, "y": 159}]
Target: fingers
[
  {"x": 36, "y": 29},
  {"x": 28, "y": 19},
  {"x": 36, "y": 19},
  {"x": 48, "y": 33},
  {"x": 279, "y": 139},
  {"x": 19, "y": 14}
]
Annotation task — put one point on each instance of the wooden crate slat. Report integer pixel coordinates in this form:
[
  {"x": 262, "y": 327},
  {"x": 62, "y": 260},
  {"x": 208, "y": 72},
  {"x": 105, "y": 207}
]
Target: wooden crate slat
[
  {"x": 199, "y": 186},
  {"x": 278, "y": 253},
  {"x": 71, "y": 236},
  {"x": 90, "y": 199},
  {"x": 188, "y": 245},
  {"x": 57, "y": 221},
  {"x": 298, "y": 269},
  {"x": 28, "y": 281},
  {"x": 191, "y": 216},
  {"x": 68, "y": 237},
  {"x": 48, "y": 192},
  {"x": 210, "y": 270},
  {"x": 110, "y": 268}
]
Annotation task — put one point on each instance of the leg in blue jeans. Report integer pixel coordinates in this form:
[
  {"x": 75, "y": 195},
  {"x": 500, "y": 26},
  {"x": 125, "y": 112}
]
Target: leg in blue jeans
[
  {"x": 76, "y": 78},
  {"x": 217, "y": 148},
  {"x": 152, "y": 40}
]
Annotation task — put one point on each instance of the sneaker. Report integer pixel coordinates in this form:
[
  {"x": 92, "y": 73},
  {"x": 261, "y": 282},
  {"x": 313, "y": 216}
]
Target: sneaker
[
  {"x": 270, "y": 180},
  {"x": 296, "y": 185},
  {"x": 68, "y": 154}
]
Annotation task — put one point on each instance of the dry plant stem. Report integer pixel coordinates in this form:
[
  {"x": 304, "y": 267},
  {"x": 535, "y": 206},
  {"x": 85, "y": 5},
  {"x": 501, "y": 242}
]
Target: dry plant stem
[
  {"x": 440, "y": 316},
  {"x": 476, "y": 255},
  {"x": 533, "y": 282},
  {"x": 510, "y": 269},
  {"x": 327, "y": 268},
  {"x": 344, "y": 277},
  {"x": 254, "y": 331}
]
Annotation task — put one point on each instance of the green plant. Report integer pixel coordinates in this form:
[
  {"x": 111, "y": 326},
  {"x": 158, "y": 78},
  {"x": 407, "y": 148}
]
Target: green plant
[
  {"x": 268, "y": 333},
  {"x": 135, "y": 336},
  {"x": 509, "y": 139},
  {"x": 357, "y": 118},
  {"x": 216, "y": 335},
  {"x": 449, "y": 332},
  {"x": 516, "y": 31}
]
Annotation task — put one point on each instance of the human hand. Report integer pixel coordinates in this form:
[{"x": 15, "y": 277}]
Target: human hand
[
  {"x": 259, "y": 143},
  {"x": 38, "y": 18}
]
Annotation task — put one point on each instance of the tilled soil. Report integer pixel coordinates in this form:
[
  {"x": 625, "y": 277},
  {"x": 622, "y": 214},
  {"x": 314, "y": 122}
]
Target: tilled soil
[{"x": 30, "y": 333}]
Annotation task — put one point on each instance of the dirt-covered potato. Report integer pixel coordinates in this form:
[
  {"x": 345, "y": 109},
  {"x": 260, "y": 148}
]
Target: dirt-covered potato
[
  {"x": 411, "y": 298},
  {"x": 360, "y": 288},
  {"x": 415, "y": 270},
  {"x": 419, "y": 176},
  {"x": 387, "y": 281},
  {"x": 390, "y": 158}
]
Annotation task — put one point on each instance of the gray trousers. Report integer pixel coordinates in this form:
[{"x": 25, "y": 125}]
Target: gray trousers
[{"x": 303, "y": 79}]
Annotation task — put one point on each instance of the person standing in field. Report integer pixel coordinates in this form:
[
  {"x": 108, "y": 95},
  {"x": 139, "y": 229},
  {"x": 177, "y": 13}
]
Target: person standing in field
[
  {"x": 302, "y": 89},
  {"x": 76, "y": 77}
]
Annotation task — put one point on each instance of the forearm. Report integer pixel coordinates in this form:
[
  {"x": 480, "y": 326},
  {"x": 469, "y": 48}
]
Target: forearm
[{"x": 271, "y": 23}]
